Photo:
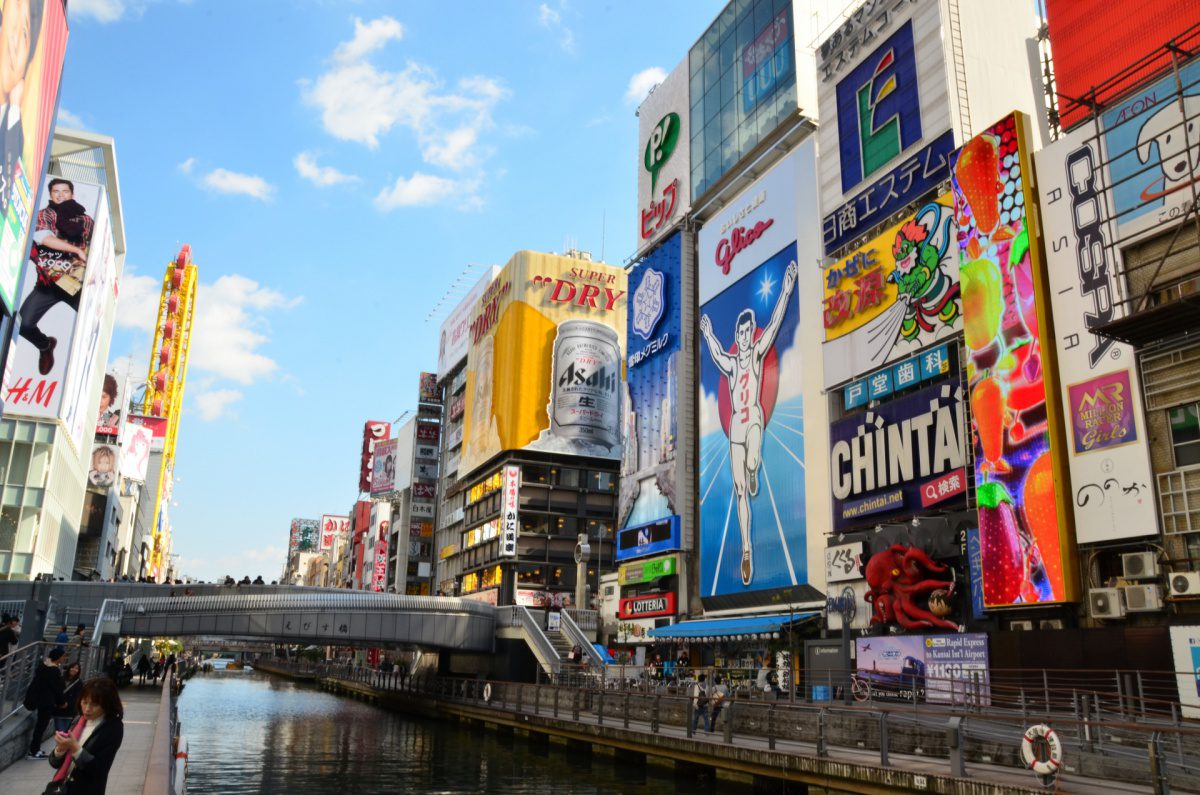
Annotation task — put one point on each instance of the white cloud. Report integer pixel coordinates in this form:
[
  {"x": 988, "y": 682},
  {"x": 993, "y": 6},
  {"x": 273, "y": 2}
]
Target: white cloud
[
  {"x": 426, "y": 189},
  {"x": 306, "y": 166},
  {"x": 213, "y": 404},
  {"x": 641, "y": 83},
  {"x": 68, "y": 119},
  {"x": 225, "y": 181},
  {"x": 368, "y": 38},
  {"x": 100, "y": 10},
  {"x": 359, "y": 102},
  {"x": 230, "y": 328},
  {"x": 187, "y": 165},
  {"x": 137, "y": 300},
  {"x": 551, "y": 20}
]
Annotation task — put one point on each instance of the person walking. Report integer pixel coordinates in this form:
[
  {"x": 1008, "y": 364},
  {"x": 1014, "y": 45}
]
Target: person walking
[
  {"x": 62, "y": 638},
  {"x": 44, "y": 696},
  {"x": 10, "y": 636},
  {"x": 85, "y": 754},
  {"x": 700, "y": 703},
  {"x": 66, "y": 714},
  {"x": 171, "y": 662},
  {"x": 717, "y": 698},
  {"x": 143, "y": 668}
]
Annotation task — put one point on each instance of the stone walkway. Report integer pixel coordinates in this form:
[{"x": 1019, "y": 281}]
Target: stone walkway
[{"x": 29, "y": 777}]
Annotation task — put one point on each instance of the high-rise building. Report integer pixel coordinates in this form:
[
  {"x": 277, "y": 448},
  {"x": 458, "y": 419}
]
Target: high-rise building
[{"x": 55, "y": 373}]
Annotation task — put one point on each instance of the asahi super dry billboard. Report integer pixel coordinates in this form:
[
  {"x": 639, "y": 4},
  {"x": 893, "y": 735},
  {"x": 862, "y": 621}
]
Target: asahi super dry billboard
[{"x": 545, "y": 366}]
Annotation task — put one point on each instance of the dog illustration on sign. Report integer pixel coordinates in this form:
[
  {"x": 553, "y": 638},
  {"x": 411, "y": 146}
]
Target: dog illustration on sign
[{"x": 1178, "y": 141}]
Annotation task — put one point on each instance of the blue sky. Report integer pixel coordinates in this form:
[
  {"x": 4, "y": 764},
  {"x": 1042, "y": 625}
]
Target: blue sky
[{"x": 335, "y": 166}]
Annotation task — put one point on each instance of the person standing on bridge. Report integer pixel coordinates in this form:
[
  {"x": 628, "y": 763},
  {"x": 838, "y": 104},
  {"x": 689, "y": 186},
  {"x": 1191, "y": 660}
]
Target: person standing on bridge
[
  {"x": 65, "y": 715},
  {"x": 143, "y": 668},
  {"x": 44, "y": 696},
  {"x": 700, "y": 704},
  {"x": 84, "y": 755}
]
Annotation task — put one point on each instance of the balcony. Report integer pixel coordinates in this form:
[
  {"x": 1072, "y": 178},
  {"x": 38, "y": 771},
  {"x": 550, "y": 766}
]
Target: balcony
[{"x": 1179, "y": 500}]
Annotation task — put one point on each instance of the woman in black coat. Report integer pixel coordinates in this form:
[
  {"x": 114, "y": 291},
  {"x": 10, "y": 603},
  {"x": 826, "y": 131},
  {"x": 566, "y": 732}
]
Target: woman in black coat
[{"x": 84, "y": 755}]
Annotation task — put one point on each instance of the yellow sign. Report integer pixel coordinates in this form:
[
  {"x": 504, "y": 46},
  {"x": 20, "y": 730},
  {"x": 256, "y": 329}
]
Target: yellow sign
[
  {"x": 546, "y": 360},
  {"x": 895, "y": 295}
]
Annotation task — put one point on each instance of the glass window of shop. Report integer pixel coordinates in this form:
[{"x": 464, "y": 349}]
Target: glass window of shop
[{"x": 743, "y": 82}]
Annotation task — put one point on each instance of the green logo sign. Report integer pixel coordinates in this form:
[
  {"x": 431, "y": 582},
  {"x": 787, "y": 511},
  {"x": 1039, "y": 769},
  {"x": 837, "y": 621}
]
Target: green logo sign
[
  {"x": 661, "y": 145},
  {"x": 646, "y": 570}
]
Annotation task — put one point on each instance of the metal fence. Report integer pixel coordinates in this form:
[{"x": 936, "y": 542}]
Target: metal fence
[
  {"x": 1100, "y": 743},
  {"x": 17, "y": 669}
]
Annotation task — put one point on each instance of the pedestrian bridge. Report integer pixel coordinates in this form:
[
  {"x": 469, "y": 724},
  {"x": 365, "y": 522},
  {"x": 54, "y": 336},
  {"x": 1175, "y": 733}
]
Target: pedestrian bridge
[{"x": 281, "y": 614}]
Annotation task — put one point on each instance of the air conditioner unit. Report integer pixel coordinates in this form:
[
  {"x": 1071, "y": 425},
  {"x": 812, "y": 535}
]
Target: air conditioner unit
[
  {"x": 1050, "y": 623},
  {"x": 1184, "y": 583},
  {"x": 1021, "y": 625},
  {"x": 1143, "y": 598},
  {"x": 1139, "y": 566},
  {"x": 1105, "y": 603}
]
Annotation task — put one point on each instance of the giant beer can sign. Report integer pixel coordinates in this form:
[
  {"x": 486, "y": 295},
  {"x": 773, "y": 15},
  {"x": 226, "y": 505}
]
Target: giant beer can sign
[{"x": 585, "y": 397}]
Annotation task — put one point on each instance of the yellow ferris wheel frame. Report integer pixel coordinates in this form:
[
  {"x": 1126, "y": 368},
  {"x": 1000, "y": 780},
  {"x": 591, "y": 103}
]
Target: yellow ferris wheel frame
[{"x": 167, "y": 377}]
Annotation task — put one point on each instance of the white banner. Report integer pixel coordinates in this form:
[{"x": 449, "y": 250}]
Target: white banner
[
  {"x": 510, "y": 524},
  {"x": 1111, "y": 481},
  {"x": 455, "y": 335}
]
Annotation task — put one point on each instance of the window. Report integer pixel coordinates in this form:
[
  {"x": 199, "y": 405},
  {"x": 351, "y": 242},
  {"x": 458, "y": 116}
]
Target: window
[
  {"x": 532, "y": 524},
  {"x": 1185, "y": 434},
  {"x": 567, "y": 477},
  {"x": 603, "y": 481},
  {"x": 535, "y": 474}
]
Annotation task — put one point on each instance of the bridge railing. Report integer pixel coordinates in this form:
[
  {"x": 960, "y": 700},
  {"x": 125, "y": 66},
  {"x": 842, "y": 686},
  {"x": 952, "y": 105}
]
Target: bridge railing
[
  {"x": 577, "y": 637},
  {"x": 1106, "y": 747},
  {"x": 18, "y": 667}
]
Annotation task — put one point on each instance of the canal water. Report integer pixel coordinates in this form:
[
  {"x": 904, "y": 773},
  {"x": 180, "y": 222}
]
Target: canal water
[{"x": 253, "y": 733}]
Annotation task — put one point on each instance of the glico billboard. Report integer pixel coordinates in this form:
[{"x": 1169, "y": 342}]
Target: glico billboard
[
  {"x": 68, "y": 288},
  {"x": 648, "y": 472},
  {"x": 885, "y": 111},
  {"x": 544, "y": 371},
  {"x": 894, "y": 296},
  {"x": 1025, "y": 525},
  {"x": 34, "y": 63},
  {"x": 753, "y": 524},
  {"x": 1100, "y": 382},
  {"x": 664, "y": 186}
]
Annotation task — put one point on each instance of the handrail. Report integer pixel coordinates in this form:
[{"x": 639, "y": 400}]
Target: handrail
[
  {"x": 568, "y": 626},
  {"x": 18, "y": 667},
  {"x": 160, "y": 768},
  {"x": 111, "y": 612},
  {"x": 537, "y": 638}
]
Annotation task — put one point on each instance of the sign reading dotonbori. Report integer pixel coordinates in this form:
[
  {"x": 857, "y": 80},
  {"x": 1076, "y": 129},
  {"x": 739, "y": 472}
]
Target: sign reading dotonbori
[
  {"x": 902, "y": 456},
  {"x": 658, "y": 604}
]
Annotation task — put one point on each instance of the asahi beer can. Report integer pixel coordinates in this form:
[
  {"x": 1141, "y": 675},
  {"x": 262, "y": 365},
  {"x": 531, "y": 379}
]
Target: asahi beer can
[{"x": 585, "y": 396}]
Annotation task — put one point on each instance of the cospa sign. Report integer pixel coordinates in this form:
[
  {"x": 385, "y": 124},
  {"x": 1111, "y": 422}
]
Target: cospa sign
[
  {"x": 664, "y": 185},
  {"x": 1099, "y": 377},
  {"x": 884, "y": 87}
]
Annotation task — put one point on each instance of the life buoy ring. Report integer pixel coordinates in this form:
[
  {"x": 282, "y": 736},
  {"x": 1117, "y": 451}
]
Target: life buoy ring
[
  {"x": 1041, "y": 750},
  {"x": 181, "y": 758},
  {"x": 487, "y": 692}
]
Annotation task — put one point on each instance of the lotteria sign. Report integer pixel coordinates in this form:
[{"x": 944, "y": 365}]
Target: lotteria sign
[
  {"x": 664, "y": 186},
  {"x": 657, "y": 604}
]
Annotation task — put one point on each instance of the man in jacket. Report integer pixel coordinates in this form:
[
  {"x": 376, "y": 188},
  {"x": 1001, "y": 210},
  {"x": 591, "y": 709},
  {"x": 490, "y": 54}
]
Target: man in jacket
[
  {"x": 45, "y": 695},
  {"x": 9, "y": 634}
]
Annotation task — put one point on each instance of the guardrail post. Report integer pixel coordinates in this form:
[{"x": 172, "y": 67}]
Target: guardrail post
[
  {"x": 729, "y": 722},
  {"x": 1120, "y": 693},
  {"x": 575, "y": 704},
  {"x": 600, "y": 708},
  {"x": 556, "y": 701},
  {"x": 883, "y": 740},
  {"x": 1141, "y": 694},
  {"x": 1158, "y": 778},
  {"x": 954, "y": 739},
  {"x": 1128, "y": 695},
  {"x": 654, "y": 715},
  {"x": 626, "y": 709},
  {"x": 822, "y": 746},
  {"x": 1024, "y": 715},
  {"x": 1046, "y": 690},
  {"x": 771, "y": 727},
  {"x": 689, "y": 716},
  {"x": 520, "y": 698}
]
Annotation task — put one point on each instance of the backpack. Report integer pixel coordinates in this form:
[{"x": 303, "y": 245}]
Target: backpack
[{"x": 701, "y": 695}]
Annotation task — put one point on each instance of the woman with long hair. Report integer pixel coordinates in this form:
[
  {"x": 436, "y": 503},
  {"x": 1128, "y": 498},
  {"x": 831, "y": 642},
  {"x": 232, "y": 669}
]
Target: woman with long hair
[
  {"x": 65, "y": 715},
  {"x": 85, "y": 754}
]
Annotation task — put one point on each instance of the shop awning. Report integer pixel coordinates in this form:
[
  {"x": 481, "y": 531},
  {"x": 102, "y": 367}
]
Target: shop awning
[{"x": 725, "y": 628}]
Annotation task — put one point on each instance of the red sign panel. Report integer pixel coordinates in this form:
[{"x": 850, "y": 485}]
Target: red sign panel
[
  {"x": 1092, "y": 42},
  {"x": 379, "y": 578},
  {"x": 428, "y": 432},
  {"x": 647, "y": 605},
  {"x": 424, "y": 491},
  {"x": 374, "y": 431}
]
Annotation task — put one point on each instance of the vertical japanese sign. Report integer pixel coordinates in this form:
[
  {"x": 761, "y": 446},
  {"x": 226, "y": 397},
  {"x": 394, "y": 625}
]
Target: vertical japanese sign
[
  {"x": 332, "y": 528},
  {"x": 510, "y": 520},
  {"x": 664, "y": 192},
  {"x": 1020, "y": 475},
  {"x": 1111, "y": 479}
]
